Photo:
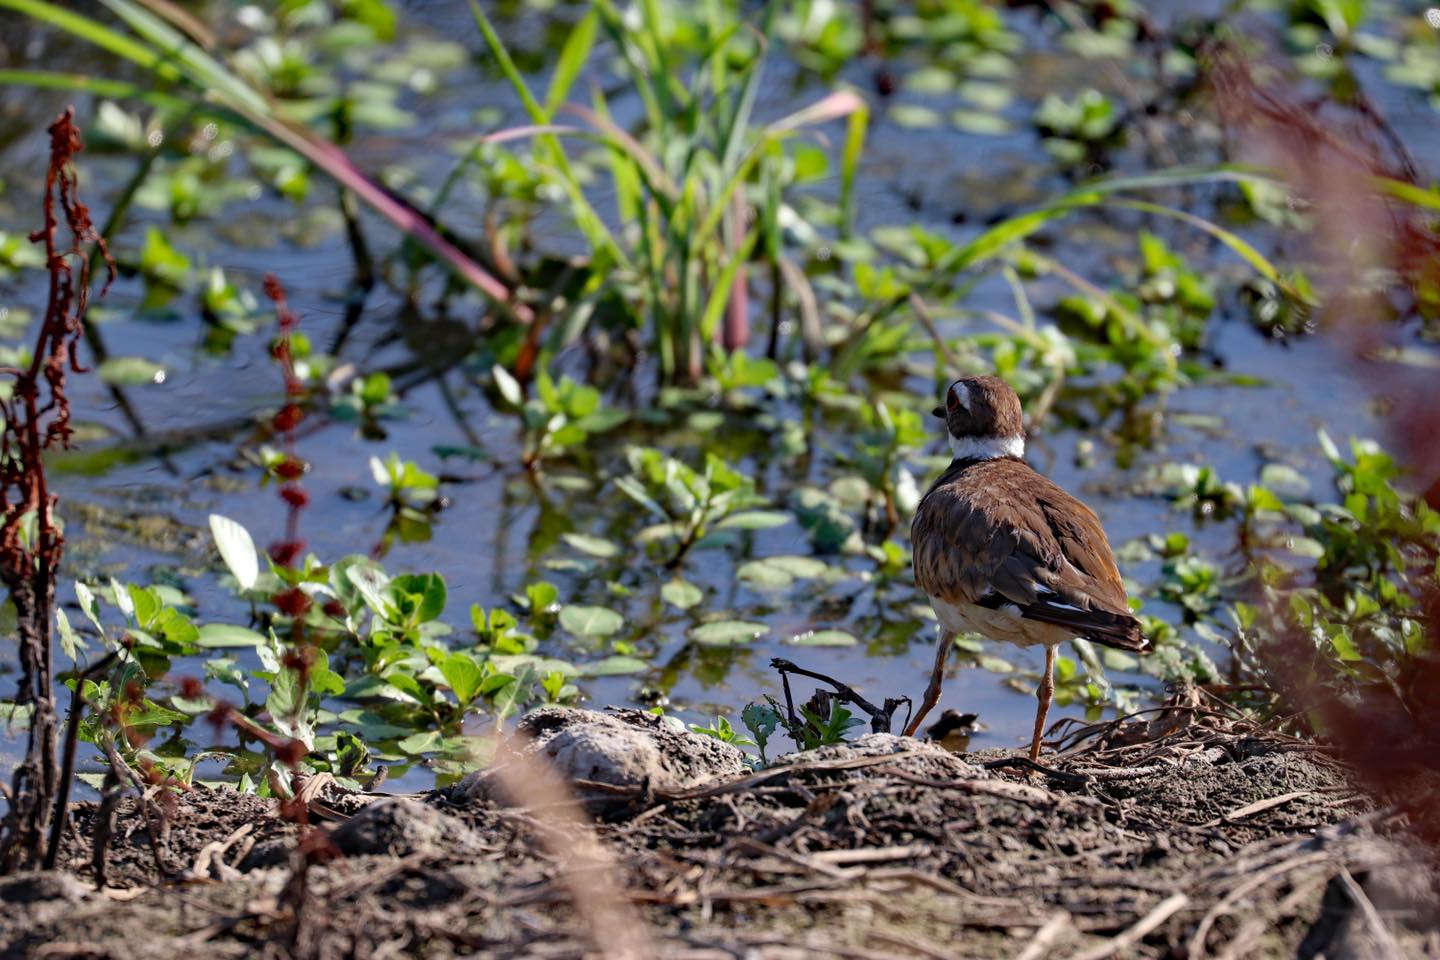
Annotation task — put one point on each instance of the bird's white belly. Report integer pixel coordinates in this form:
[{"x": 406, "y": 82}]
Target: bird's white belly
[{"x": 1004, "y": 623}]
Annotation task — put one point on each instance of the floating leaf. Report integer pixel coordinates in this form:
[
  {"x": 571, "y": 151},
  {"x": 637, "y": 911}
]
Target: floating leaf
[
  {"x": 801, "y": 568},
  {"x": 594, "y": 546},
  {"x": 614, "y": 667},
  {"x": 236, "y": 549},
  {"x": 780, "y": 572},
  {"x": 682, "y": 594},
  {"x": 1305, "y": 547},
  {"x": 996, "y": 664},
  {"x": 755, "y": 520},
  {"x": 758, "y": 573},
  {"x": 1284, "y": 479},
  {"x": 131, "y": 371},
  {"x": 824, "y": 638},
  {"x": 590, "y": 621},
  {"x": 914, "y": 116},
  {"x": 418, "y": 743},
  {"x": 725, "y": 633}
]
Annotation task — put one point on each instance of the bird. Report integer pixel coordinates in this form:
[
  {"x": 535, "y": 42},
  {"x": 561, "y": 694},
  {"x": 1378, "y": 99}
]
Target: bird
[{"x": 1004, "y": 552}]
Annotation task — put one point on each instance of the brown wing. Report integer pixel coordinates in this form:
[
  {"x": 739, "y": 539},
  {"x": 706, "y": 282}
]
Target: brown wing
[{"x": 997, "y": 533}]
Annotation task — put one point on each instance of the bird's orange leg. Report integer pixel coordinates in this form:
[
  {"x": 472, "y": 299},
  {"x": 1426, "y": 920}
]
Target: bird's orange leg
[
  {"x": 1044, "y": 695},
  {"x": 932, "y": 691}
]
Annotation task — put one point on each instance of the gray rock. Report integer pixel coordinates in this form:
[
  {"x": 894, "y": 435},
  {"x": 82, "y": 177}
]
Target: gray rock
[
  {"x": 920, "y": 757},
  {"x": 399, "y": 826},
  {"x": 622, "y": 748}
]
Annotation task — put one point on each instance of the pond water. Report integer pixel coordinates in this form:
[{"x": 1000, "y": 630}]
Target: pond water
[{"x": 157, "y": 458}]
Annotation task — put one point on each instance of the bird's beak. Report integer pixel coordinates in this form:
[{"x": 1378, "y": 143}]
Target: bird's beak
[{"x": 939, "y": 412}]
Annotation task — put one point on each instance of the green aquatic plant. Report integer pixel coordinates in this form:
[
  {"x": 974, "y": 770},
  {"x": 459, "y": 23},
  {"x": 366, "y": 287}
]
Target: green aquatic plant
[
  {"x": 685, "y": 182},
  {"x": 560, "y": 417},
  {"x": 184, "y": 74},
  {"x": 690, "y": 505}
]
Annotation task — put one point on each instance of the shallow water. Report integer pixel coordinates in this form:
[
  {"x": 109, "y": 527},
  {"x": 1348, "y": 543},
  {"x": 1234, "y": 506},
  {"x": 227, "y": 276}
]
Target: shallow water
[{"x": 501, "y": 532}]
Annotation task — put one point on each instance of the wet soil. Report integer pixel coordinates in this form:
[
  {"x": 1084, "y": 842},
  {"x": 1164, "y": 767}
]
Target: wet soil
[{"x": 1162, "y": 836}]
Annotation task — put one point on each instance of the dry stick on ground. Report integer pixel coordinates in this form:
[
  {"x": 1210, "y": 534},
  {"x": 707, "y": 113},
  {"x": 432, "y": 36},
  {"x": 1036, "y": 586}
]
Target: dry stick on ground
[
  {"x": 37, "y": 417},
  {"x": 1039, "y": 945},
  {"x": 1136, "y": 932},
  {"x": 880, "y": 717}
]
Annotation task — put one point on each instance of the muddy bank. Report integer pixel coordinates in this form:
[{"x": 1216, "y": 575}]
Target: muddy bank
[{"x": 1172, "y": 838}]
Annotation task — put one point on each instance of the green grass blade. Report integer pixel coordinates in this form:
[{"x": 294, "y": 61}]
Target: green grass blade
[
  {"x": 183, "y": 59},
  {"x": 830, "y": 107},
  {"x": 1425, "y": 198},
  {"x": 201, "y": 68},
  {"x": 617, "y": 139},
  {"x": 573, "y": 57},
  {"x": 720, "y": 290},
  {"x": 992, "y": 241},
  {"x": 733, "y": 141},
  {"x": 1006, "y": 232},
  {"x": 622, "y": 172},
  {"x": 507, "y": 65},
  {"x": 639, "y": 72},
  {"x": 99, "y": 86},
  {"x": 855, "y": 131},
  {"x": 586, "y": 219},
  {"x": 1236, "y": 243},
  {"x": 95, "y": 33}
]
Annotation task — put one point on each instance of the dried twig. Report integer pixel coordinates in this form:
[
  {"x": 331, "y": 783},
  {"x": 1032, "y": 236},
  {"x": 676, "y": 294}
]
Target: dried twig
[
  {"x": 880, "y": 717},
  {"x": 1136, "y": 932},
  {"x": 1040, "y": 944}
]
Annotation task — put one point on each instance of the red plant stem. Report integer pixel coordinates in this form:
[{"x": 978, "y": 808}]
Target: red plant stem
[
  {"x": 286, "y": 423},
  {"x": 36, "y": 418},
  {"x": 737, "y": 308}
]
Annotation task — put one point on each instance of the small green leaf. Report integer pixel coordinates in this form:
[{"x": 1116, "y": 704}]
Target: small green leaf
[
  {"x": 614, "y": 667},
  {"x": 996, "y": 664},
  {"x": 755, "y": 520},
  {"x": 418, "y": 743},
  {"x": 131, "y": 371},
  {"x": 88, "y": 605},
  {"x": 681, "y": 593},
  {"x": 425, "y": 591},
  {"x": 508, "y": 386},
  {"x": 70, "y": 641},
  {"x": 463, "y": 675},
  {"x": 236, "y": 549},
  {"x": 725, "y": 633},
  {"x": 758, "y": 573},
  {"x": 590, "y": 621},
  {"x": 824, "y": 638},
  {"x": 216, "y": 635},
  {"x": 1305, "y": 547},
  {"x": 145, "y": 603},
  {"x": 542, "y": 597},
  {"x": 593, "y": 546}
]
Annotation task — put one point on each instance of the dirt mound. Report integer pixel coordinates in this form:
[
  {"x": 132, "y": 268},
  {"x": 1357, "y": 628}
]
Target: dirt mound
[{"x": 1203, "y": 841}]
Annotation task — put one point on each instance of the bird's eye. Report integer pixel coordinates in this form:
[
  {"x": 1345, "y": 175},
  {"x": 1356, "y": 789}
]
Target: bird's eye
[{"x": 951, "y": 401}]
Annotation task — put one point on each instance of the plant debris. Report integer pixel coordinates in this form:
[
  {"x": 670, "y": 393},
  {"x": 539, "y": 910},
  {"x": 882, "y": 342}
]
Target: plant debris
[{"x": 1188, "y": 835}]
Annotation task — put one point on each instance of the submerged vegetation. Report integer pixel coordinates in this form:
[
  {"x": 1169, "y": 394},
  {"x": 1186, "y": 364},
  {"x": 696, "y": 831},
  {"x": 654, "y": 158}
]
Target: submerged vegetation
[{"x": 616, "y": 328}]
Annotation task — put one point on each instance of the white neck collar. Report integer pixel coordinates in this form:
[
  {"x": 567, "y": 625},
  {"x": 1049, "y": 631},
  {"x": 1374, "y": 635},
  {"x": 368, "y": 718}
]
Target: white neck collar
[{"x": 986, "y": 448}]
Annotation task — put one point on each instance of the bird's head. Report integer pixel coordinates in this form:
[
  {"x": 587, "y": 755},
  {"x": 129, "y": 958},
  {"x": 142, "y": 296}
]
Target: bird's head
[{"x": 983, "y": 419}]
